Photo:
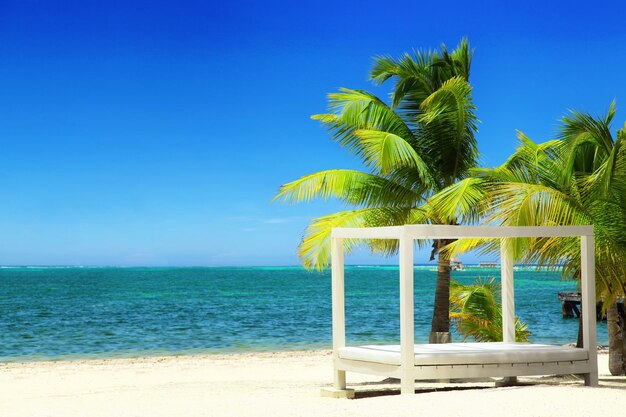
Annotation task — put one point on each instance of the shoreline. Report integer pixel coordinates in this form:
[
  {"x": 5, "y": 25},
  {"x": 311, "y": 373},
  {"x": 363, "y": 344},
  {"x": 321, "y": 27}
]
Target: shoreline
[
  {"x": 147, "y": 355},
  {"x": 148, "y": 359},
  {"x": 107, "y": 357}
]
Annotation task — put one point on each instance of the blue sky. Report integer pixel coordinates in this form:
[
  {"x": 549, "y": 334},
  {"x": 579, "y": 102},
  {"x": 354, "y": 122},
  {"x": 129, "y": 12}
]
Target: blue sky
[{"x": 156, "y": 133}]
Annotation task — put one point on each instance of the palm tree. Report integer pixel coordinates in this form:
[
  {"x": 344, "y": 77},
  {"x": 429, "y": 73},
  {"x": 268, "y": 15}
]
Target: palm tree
[
  {"x": 412, "y": 149},
  {"x": 578, "y": 178},
  {"x": 476, "y": 310}
]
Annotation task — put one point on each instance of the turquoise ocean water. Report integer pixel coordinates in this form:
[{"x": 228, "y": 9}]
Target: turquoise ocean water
[{"x": 56, "y": 313}]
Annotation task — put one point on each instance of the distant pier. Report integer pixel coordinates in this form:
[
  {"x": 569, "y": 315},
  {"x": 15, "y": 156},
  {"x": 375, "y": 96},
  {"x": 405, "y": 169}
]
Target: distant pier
[{"x": 570, "y": 305}]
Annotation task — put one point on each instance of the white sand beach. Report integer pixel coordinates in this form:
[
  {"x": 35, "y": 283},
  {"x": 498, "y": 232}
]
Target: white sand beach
[{"x": 276, "y": 384}]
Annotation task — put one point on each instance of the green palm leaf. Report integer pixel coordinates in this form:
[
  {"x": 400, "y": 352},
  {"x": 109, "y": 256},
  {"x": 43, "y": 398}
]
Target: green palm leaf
[
  {"x": 577, "y": 179},
  {"x": 463, "y": 200},
  {"x": 315, "y": 247},
  {"x": 386, "y": 152},
  {"x": 476, "y": 311},
  {"x": 421, "y": 144},
  {"x": 353, "y": 110},
  {"x": 353, "y": 187},
  {"x": 449, "y": 124}
]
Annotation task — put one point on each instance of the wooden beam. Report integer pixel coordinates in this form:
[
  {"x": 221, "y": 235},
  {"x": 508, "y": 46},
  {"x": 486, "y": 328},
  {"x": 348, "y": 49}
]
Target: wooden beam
[
  {"x": 588, "y": 299},
  {"x": 407, "y": 329},
  {"x": 508, "y": 292},
  {"x": 432, "y": 231},
  {"x": 339, "y": 317}
]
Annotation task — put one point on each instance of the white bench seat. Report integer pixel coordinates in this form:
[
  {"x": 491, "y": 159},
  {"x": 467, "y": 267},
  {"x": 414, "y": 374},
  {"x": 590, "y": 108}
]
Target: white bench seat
[{"x": 466, "y": 353}]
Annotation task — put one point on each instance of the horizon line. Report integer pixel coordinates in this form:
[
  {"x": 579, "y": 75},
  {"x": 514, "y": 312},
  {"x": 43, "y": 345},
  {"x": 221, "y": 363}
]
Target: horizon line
[{"x": 9, "y": 266}]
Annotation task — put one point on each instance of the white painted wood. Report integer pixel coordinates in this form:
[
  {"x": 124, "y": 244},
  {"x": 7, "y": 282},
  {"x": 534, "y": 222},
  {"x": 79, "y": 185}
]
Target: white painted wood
[
  {"x": 407, "y": 371},
  {"x": 370, "y": 368},
  {"x": 464, "y": 353},
  {"x": 338, "y": 307},
  {"x": 468, "y": 371},
  {"x": 588, "y": 295},
  {"x": 508, "y": 292},
  {"x": 432, "y": 231},
  {"x": 407, "y": 326},
  {"x": 504, "y": 370}
]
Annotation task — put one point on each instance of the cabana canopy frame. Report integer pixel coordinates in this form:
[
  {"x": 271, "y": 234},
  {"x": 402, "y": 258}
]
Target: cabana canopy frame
[{"x": 411, "y": 362}]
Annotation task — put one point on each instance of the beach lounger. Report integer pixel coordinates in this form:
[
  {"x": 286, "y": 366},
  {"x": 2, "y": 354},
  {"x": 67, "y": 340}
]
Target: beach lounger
[{"x": 409, "y": 361}]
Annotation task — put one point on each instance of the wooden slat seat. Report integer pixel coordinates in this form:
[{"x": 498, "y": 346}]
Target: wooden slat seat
[{"x": 466, "y": 353}]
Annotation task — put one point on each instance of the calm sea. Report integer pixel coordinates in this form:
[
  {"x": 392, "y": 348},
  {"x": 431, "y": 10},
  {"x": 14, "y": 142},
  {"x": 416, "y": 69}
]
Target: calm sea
[{"x": 53, "y": 313}]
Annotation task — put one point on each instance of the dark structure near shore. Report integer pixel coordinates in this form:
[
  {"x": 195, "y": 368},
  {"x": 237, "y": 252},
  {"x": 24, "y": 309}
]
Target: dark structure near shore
[{"x": 570, "y": 302}]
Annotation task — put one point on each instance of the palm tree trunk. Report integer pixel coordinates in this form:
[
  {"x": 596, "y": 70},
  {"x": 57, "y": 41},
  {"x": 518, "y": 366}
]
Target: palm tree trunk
[
  {"x": 440, "y": 330},
  {"x": 616, "y": 326}
]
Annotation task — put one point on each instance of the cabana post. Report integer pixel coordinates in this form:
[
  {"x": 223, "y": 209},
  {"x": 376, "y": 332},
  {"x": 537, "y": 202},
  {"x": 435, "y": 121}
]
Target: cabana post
[
  {"x": 339, "y": 317},
  {"x": 407, "y": 322},
  {"x": 588, "y": 294},
  {"x": 410, "y": 362},
  {"x": 508, "y": 295}
]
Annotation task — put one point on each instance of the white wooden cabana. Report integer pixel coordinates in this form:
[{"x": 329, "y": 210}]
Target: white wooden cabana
[{"x": 409, "y": 361}]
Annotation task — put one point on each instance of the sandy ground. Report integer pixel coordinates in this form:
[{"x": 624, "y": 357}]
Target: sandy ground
[{"x": 276, "y": 384}]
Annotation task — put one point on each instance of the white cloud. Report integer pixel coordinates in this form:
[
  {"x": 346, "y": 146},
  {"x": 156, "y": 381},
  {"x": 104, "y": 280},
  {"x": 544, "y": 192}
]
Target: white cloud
[
  {"x": 277, "y": 220},
  {"x": 238, "y": 219}
]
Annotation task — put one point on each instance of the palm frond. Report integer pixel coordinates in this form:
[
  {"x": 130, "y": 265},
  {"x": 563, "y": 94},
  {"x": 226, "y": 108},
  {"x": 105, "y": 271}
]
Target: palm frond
[
  {"x": 449, "y": 123},
  {"x": 314, "y": 250},
  {"x": 476, "y": 311},
  {"x": 413, "y": 75},
  {"x": 579, "y": 128},
  {"x": 463, "y": 201},
  {"x": 350, "y": 186},
  {"x": 352, "y": 110},
  {"x": 386, "y": 152}
]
